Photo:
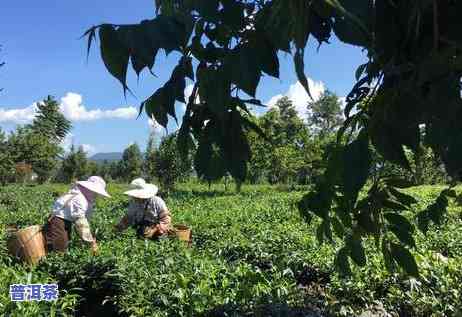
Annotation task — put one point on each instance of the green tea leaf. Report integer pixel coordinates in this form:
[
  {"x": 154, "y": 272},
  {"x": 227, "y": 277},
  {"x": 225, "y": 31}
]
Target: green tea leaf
[{"x": 404, "y": 259}]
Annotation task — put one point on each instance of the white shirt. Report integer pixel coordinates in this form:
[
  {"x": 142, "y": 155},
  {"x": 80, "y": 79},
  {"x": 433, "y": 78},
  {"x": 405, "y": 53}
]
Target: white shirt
[
  {"x": 74, "y": 207},
  {"x": 152, "y": 210}
]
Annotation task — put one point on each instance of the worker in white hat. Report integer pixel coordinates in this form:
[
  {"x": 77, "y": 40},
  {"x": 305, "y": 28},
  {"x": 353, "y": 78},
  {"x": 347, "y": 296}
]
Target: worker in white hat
[
  {"x": 147, "y": 212},
  {"x": 74, "y": 208}
]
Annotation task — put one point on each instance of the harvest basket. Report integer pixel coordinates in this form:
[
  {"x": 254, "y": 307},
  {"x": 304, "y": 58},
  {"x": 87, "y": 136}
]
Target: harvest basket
[
  {"x": 183, "y": 233},
  {"x": 27, "y": 244}
]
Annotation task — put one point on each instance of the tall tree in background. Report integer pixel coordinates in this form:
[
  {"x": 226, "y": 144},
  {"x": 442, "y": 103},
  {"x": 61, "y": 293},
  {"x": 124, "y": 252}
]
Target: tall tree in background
[
  {"x": 131, "y": 163},
  {"x": 149, "y": 165},
  {"x": 50, "y": 122},
  {"x": 6, "y": 161},
  {"x": 325, "y": 114},
  {"x": 283, "y": 159},
  {"x": 75, "y": 165},
  {"x": 169, "y": 166},
  {"x": 34, "y": 149},
  {"x": 38, "y": 144},
  {"x": 115, "y": 170}
]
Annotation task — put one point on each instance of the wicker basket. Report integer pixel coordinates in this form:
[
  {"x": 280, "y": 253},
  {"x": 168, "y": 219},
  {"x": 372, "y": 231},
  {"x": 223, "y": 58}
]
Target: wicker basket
[
  {"x": 27, "y": 244},
  {"x": 183, "y": 233}
]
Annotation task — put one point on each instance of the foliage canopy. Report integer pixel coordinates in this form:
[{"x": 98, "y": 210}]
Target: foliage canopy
[{"x": 412, "y": 78}]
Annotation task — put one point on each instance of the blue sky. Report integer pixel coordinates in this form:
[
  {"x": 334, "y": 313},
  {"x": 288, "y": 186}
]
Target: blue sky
[{"x": 44, "y": 56}]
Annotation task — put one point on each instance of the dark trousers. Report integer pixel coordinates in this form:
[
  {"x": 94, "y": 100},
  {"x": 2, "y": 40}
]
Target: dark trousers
[{"x": 58, "y": 234}]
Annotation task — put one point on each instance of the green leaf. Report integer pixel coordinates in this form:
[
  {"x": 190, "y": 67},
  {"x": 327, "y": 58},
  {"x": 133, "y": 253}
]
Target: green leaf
[
  {"x": 348, "y": 32},
  {"x": 399, "y": 221},
  {"x": 356, "y": 249},
  {"x": 344, "y": 216},
  {"x": 91, "y": 34},
  {"x": 393, "y": 205},
  {"x": 142, "y": 50},
  {"x": 357, "y": 162},
  {"x": 342, "y": 263},
  {"x": 184, "y": 139},
  {"x": 318, "y": 202},
  {"x": 403, "y": 235},
  {"x": 354, "y": 11},
  {"x": 188, "y": 68},
  {"x": 423, "y": 220},
  {"x": 300, "y": 70},
  {"x": 404, "y": 259},
  {"x": 232, "y": 14},
  {"x": 320, "y": 233},
  {"x": 243, "y": 66},
  {"x": 235, "y": 146},
  {"x": 338, "y": 227},
  {"x": 300, "y": 14},
  {"x": 387, "y": 257},
  {"x": 398, "y": 182},
  {"x": 214, "y": 89},
  {"x": 208, "y": 9},
  {"x": 154, "y": 108},
  {"x": 403, "y": 198},
  {"x": 165, "y": 32},
  {"x": 114, "y": 53},
  {"x": 267, "y": 56},
  {"x": 360, "y": 70},
  {"x": 366, "y": 222}
]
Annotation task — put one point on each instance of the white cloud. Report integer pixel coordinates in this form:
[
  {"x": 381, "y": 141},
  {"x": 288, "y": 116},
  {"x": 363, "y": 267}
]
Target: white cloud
[
  {"x": 72, "y": 108},
  {"x": 299, "y": 97},
  {"x": 18, "y": 116},
  {"x": 89, "y": 149},
  {"x": 67, "y": 142}
]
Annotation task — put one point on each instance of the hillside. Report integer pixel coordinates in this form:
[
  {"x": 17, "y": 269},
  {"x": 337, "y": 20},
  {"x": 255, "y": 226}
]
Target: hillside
[{"x": 110, "y": 157}]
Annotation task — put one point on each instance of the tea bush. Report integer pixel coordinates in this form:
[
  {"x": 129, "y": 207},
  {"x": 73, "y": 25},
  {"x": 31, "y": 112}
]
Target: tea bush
[{"x": 251, "y": 255}]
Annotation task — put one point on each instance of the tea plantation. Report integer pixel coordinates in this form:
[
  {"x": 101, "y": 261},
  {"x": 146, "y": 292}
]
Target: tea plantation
[{"x": 252, "y": 255}]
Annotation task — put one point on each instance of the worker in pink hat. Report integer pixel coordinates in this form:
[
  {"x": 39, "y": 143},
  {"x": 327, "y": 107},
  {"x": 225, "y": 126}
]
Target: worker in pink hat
[{"x": 74, "y": 208}]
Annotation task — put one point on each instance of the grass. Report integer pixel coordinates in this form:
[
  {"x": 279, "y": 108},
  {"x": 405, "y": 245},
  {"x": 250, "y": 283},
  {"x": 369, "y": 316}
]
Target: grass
[{"x": 252, "y": 255}]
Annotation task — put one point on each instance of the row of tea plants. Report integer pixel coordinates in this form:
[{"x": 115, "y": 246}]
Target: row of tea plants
[{"x": 251, "y": 255}]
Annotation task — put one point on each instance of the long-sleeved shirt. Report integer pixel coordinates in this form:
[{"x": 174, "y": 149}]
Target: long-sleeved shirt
[
  {"x": 74, "y": 207},
  {"x": 153, "y": 210}
]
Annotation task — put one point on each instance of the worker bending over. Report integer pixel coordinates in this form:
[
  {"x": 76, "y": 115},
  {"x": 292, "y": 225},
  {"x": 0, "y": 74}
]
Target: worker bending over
[{"x": 147, "y": 212}]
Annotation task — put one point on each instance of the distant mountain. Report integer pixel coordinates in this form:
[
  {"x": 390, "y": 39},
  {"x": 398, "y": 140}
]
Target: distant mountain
[{"x": 110, "y": 157}]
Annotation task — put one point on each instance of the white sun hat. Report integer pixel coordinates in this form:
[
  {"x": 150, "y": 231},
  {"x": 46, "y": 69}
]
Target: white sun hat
[
  {"x": 141, "y": 189},
  {"x": 95, "y": 184}
]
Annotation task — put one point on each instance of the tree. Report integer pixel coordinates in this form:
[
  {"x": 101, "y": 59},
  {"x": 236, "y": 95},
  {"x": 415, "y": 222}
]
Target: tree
[
  {"x": 34, "y": 149},
  {"x": 115, "y": 170},
  {"x": 6, "y": 161},
  {"x": 38, "y": 144},
  {"x": 283, "y": 158},
  {"x": 150, "y": 159},
  {"x": 325, "y": 114},
  {"x": 75, "y": 165},
  {"x": 412, "y": 77},
  {"x": 169, "y": 166},
  {"x": 50, "y": 122},
  {"x": 131, "y": 163}
]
